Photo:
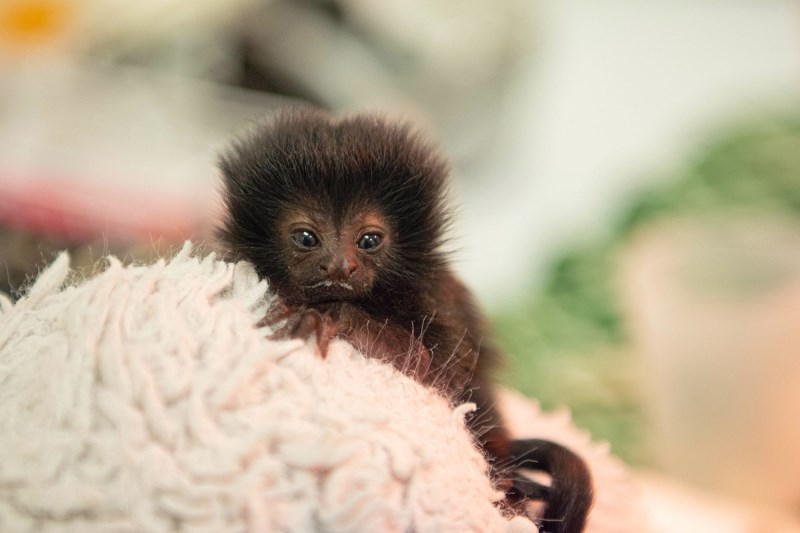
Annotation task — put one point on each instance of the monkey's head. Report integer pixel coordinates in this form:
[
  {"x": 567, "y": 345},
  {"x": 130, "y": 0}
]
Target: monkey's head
[{"x": 332, "y": 210}]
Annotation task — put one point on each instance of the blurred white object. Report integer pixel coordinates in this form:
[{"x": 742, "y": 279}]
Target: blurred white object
[
  {"x": 115, "y": 143},
  {"x": 714, "y": 306},
  {"x": 617, "y": 92},
  {"x": 186, "y": 35},
  {"x": 113, "y": 22}
]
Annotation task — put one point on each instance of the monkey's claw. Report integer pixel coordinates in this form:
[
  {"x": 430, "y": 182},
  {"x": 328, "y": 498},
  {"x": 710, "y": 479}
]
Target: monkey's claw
[
  {"x": 288, "y": 323},
  {"x": 312, "y": 323}
]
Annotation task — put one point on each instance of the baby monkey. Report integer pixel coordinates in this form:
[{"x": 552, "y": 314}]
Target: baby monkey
[{"x": 346, "y": 219}]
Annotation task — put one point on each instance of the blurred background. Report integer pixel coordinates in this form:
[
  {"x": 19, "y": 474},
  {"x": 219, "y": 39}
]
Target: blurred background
[{"x": 628, "y": 174}]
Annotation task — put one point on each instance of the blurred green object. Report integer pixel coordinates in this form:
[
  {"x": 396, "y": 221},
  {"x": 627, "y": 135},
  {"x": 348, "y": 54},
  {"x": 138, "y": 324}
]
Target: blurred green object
[{"x": 568, "y": 343}]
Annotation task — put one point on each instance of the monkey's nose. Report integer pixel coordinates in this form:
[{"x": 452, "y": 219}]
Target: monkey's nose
[
  {"x": 341, "y": 269},
  {"x": 348, "y": 267}
]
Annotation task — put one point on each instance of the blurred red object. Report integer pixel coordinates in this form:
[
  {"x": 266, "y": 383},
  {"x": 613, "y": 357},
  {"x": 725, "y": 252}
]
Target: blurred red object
[{"x": 77, "y": 212}]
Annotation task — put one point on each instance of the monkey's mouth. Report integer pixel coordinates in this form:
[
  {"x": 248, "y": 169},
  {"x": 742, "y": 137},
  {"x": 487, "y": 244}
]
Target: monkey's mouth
[
  {"x": 329, "y": 290},
  {"x": 329, "y": 283}
]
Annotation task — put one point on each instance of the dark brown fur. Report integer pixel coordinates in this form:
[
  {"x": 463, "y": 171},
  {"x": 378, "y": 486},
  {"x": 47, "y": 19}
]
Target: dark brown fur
[{"x": 339, "y": 180}]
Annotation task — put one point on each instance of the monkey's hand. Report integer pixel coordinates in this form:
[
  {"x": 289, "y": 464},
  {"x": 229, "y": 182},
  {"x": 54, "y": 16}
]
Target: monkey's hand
[{"x": 303, "y": 323}]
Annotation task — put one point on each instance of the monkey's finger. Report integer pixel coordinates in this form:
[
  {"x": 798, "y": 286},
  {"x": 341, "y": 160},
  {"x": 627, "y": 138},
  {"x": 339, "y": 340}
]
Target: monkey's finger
[{"x": 313, "y": 323}]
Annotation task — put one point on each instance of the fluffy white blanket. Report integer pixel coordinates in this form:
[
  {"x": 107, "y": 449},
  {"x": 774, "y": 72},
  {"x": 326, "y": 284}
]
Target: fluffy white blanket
[{"x": 143, "y": 399}]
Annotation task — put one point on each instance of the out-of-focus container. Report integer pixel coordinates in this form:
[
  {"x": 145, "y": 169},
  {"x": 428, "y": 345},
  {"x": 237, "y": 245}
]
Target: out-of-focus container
[{"x": 714, "y": 307}]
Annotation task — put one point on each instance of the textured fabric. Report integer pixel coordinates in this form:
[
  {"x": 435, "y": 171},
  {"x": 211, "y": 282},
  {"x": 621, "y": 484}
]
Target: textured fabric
[{"x": 143, "y": 399}]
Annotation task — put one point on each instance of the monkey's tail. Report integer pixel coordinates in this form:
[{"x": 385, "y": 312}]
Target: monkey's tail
[{"x": 569, "y": 496}]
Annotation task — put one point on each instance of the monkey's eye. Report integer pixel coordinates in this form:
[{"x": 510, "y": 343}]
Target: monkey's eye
[
  {"x": 305, "y": 239},
  {"x": 370, "y": 241}
]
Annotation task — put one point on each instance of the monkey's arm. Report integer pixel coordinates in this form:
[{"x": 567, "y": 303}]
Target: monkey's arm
[
  {"x": 384, "y": 339},
  {"x": 380, "y": 339}
]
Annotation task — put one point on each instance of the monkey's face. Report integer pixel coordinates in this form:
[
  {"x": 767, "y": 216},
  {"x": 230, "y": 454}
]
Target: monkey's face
[{"x": 329, "y": 261}]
